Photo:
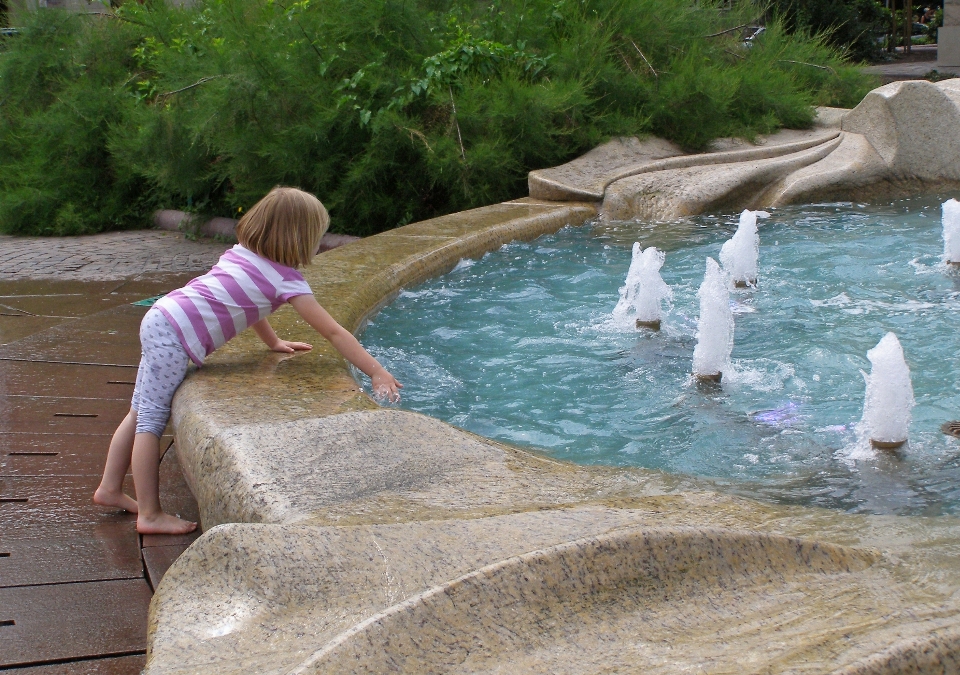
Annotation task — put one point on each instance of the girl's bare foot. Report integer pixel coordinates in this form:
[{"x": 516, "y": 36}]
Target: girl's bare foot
[
  {"x": 164, "y": 523},
  {"x": 116, "y": 499}
]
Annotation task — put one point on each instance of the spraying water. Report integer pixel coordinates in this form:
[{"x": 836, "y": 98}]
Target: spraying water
[
  {"x": 644, "y": 290},
  {"x": 951, "y": 231},
  {"x": 889, "y": 397},
  {"x": 715, "y": 326},
  {"x": 739, "y": 254}
]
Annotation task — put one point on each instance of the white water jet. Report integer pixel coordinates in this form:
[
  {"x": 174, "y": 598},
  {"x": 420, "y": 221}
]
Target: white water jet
[
  {"x": 715, "y": 325},
  {"x": 740, "y": 253},
  {"x": 889, "y": 396},
  {"x": 644, "y": 290},
  {"x": 951, "y": 231}
]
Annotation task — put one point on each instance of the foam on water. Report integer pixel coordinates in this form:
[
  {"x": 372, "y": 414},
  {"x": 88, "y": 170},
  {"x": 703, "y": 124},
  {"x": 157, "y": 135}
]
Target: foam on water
[{"x": 522, "y": 346}]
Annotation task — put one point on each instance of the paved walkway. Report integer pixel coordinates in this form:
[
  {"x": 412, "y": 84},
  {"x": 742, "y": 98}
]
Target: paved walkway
[
  {"x": 909, "y": 70},
  {"x": 919, "y": 64},
  {"x": 76, "y": 579},
  {"x": 107, "y": 256}
]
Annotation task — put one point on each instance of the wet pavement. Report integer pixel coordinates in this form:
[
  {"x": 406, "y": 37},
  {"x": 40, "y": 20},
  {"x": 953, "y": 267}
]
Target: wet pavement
[{"x": 76, "y": 579}]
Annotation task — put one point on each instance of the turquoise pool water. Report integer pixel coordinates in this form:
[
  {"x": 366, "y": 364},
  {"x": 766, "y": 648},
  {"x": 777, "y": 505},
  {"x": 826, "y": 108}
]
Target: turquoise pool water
[{"x": 520, "y": 346}]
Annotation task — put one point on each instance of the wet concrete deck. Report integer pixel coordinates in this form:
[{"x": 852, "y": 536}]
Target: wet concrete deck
[{"x": 76, "y": 579}]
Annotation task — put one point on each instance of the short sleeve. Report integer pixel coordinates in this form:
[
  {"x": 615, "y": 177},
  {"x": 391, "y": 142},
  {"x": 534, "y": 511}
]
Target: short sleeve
[{"x": 291, "y": 288}]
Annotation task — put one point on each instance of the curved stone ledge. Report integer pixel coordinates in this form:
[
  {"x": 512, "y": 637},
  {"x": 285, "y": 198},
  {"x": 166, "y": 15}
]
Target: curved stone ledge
[
  {"x": 541, "y": 590},
  {"x": 671, "y": 193},
  {"x": 936, "y": 653},
  {"x": 900, "y": 140},
  {"x": 587, "y": 177},
  {"x": 707, "y": 159},
  {"x": 587, "y": 599},
  {"x": 382, "y": 466},
  {"x": 248, "y": 406}
]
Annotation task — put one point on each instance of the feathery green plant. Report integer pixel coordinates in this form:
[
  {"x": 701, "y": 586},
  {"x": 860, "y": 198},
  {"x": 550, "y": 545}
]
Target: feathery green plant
[{"x": 389, "y": 110}]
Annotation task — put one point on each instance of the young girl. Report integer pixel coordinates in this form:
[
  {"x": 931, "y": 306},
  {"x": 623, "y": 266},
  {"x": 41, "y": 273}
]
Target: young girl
[{"x": 250, "y": 281}]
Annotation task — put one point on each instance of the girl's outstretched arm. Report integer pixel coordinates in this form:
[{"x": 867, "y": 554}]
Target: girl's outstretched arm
[
  {"x": 384, "y": 384},
  {"x": 264, "y": 331}
]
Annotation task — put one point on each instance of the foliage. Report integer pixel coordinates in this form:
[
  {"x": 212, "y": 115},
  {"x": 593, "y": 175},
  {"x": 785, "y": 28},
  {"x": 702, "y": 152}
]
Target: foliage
[
  {"x": 851, "y": 25},
  {"x": 57, "y": 106},
  {"x": 390, "y": 111}
]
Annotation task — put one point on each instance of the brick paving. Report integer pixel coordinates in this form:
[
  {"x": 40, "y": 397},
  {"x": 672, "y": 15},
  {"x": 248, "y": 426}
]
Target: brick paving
[{"x": 105, "y": 257}]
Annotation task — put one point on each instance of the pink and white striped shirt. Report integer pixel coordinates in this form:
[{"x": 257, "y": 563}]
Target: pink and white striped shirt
[{"x": 241, "y": 289}]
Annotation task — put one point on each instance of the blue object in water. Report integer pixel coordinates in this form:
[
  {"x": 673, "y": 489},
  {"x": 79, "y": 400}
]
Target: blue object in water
[{"x": 781, "y": 417}]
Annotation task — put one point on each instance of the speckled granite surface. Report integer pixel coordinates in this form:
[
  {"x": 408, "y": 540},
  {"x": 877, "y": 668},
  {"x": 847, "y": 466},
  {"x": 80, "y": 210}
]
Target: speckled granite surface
[
  {"x": 571, "y": 590},
  {"x": 381, "y": 466},
  {"x": 351, "y": 538}
]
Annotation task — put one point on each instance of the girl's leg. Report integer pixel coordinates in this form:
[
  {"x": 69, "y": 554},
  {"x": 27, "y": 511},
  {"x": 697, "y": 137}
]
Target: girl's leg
[
  {"x": 146, "y": 476},
  {"x": 110, "y": 492},
  {"x": 164, "y": 367}
]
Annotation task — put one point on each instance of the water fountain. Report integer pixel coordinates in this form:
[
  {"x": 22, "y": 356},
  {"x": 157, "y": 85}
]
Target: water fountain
[
  {"x": 951, "y": 231},
  {"x": 889, "y": 396},
  {"x": 715, "y": 326},
  {"x": 644, "y": 290},
  {"x": 739, "y": 254},
  {"x": 435, "y": 537}
]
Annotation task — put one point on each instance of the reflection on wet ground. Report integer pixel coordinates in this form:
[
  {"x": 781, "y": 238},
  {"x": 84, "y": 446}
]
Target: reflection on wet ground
[
  {"x": 68, "y": 357},
  {"x": 30, "y": 309}
]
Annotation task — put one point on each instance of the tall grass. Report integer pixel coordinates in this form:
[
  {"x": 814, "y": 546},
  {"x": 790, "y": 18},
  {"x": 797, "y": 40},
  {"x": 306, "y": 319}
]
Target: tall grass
[{"x": 389, "y": 110}]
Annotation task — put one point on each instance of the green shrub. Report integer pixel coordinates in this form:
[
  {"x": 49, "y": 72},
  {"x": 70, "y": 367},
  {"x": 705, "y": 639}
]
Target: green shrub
[
  {"x": 60, "y": 96},
  {"x": 389, "y": 111}
]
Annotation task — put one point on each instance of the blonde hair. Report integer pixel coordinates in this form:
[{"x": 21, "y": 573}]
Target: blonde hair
[{"x": 285, "y": 226}]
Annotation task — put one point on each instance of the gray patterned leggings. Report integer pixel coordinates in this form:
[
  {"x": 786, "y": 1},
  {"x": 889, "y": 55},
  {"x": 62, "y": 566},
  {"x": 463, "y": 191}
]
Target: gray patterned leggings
[{"x": 163, "y": 365}]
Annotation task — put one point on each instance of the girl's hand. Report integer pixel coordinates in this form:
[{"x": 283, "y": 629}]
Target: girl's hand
[
  {"x": 265, "y": 332},
  {"x": 385, "y": 385},
  {"x": 288, "y": 347}
]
